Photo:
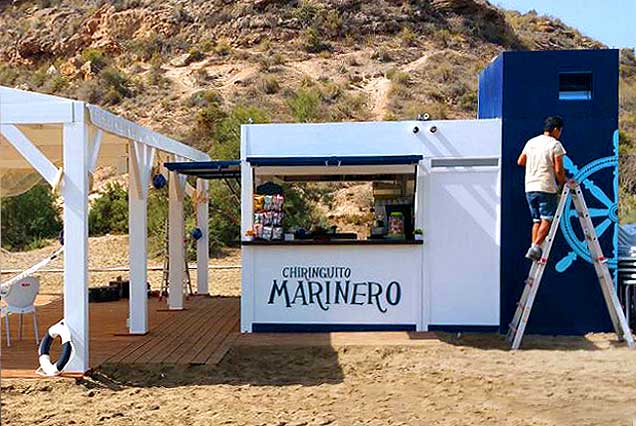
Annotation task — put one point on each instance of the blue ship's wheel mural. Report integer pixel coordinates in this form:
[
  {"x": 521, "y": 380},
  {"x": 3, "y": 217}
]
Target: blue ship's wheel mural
[{"x": 604, "y": 218}]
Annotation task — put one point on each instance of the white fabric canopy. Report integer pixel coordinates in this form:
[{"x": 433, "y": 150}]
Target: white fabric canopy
[{"x": 41, "y": 118}]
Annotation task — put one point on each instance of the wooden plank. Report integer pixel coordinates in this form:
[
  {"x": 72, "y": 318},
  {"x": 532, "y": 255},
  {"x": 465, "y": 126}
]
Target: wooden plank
[
  {"x": 224, "y": 347},
  {"x": 226, "y": 327},
  {"x": 189, "y": 340},
  {"x": 171, "y": 325},
  {"x": 197, "y": 323},
  {"x": 154, "y": 341},
  {"x": 201, "y": 345}
]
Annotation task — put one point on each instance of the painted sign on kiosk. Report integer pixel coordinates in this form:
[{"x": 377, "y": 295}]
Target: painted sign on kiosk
[
  {"x": 348, "y": 286},
  {"x": 331, "y": 285}
]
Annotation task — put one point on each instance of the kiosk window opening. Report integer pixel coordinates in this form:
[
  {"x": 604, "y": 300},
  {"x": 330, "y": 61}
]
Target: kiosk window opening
[{"x": 575, "y": 86}]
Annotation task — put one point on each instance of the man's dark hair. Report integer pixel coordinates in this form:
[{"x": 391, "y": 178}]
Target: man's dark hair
[{"x": 552, "y": 123}]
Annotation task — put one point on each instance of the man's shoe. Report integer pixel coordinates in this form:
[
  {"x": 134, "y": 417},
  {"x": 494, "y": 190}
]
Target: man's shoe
[{"x": 534, "y": 253}]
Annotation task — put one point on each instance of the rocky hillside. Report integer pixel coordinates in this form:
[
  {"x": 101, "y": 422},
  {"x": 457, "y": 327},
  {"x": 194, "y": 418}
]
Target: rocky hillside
[{"x": 195, "y": 69}]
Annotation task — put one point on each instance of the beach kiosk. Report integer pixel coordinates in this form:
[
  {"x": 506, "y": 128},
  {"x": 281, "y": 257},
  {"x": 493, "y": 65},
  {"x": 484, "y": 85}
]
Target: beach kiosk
[
  {"x": 448, "y": 175},
  {"x": 459, "y": 185}
]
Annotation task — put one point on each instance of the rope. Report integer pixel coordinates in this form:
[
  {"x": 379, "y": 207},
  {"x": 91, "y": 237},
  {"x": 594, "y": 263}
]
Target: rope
[{"x": 32, "y": 270}]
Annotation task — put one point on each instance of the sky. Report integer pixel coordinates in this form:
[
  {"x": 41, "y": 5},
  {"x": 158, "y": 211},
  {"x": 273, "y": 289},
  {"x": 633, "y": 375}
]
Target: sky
[{"x": 612, "y": 22}]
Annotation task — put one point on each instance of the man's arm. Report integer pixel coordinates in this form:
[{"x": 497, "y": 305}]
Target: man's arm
[
  {"x": 521, "y": 161},
  {"x": 559, "y": 170}
]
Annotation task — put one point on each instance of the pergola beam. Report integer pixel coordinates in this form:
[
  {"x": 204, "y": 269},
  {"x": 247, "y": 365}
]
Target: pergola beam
[
  {"x": 37, "y": 113},
  {"x": 126, "y": 129}
]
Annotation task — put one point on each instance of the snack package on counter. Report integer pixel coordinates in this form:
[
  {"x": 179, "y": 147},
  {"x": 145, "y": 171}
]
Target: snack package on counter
[
  {"x": 277, "y": 218},
  {"x": 258, "y": 218},
  {"x": 258, "y": 202},
  {"x": 279, "y": 200},
  {"x": 267, "y": 232},
  {"x": 277, "y": 233},
  {"x": 268, "y": 204},
  {"x": 258, "y": 230}
]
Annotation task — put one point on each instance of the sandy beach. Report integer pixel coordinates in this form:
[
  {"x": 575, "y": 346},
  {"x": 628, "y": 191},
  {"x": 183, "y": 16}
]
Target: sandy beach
[{"x": 451, "y": 380}]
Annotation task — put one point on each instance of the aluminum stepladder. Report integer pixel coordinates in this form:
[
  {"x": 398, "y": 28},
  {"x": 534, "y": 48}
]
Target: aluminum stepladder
[
  {"x": 187, "y": 287},
  {"x": 520, "y": 320}
]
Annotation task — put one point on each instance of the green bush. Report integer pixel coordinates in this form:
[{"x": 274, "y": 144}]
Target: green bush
[
  {"x": 109, "y": 213},
  {"x": 228, "y": 131},
  {"x": 306, "y": 13},
  {"x": 96, "y": 58},
  {"x": 29, "y": 218},
  {"x": 269, "y": 85},
  {"x": 312, "y": 42},
  {"x": 305, "y": 105},
  {"x": 223, "y": 47},
  {"x": 148, "y": 48}
]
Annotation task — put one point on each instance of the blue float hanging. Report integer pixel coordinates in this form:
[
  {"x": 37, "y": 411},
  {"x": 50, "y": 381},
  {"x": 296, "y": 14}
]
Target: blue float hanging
[
  {"x": 159, "y": 181},
  {"x": 196, "y": 234}
]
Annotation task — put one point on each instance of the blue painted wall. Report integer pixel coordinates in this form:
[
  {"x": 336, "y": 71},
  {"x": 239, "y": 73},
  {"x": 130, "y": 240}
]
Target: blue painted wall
[{"x": 522, "y": 88}]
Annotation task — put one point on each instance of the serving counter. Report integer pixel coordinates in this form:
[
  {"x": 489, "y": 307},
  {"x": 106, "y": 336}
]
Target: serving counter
[{"x": 332, "y": 285}]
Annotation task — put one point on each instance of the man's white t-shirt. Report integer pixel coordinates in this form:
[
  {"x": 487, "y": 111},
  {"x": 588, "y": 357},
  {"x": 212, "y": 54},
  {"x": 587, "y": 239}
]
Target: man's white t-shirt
[{"x": 540, "y": 152}]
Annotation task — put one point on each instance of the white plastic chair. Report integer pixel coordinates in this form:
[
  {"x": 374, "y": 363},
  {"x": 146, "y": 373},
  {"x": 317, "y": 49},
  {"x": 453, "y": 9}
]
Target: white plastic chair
[{"x": 20, "y": 299}]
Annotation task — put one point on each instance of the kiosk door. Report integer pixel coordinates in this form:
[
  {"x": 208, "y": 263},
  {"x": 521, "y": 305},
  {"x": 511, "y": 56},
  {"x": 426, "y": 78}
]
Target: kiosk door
[{"x": 461, "y": 252}]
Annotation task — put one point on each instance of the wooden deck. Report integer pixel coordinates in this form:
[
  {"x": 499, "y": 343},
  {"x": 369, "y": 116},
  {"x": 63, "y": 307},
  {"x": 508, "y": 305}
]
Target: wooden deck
[{"x": 201, "y": 334}]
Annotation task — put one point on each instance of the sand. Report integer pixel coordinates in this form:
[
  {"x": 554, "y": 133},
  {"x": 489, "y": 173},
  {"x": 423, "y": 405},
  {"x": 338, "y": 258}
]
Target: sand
[
  {"x": 448, "y": 380},
  {"x": 472, "y": 380}
]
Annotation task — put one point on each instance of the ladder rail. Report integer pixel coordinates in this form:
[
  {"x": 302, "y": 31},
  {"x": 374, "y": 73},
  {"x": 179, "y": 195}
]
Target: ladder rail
[
  {"x": 619, "y": 321},
  {"x": 520, "y": 319}
]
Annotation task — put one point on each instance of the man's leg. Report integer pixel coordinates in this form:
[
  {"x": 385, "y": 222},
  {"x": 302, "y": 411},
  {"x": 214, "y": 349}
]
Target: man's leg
[
  {"x": 535, "y": 231},
  {"x": 542, "y": 231}
]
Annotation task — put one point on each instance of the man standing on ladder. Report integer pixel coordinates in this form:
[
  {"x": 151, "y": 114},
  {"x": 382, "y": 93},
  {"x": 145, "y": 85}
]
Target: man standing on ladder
[{"x": 542, "y": 156}]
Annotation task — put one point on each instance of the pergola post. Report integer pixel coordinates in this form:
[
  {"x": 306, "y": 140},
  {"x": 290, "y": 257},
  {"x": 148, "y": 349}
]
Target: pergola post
[
  {"x": 176, "y": 236},
  {"x": 75, "y": 193},
  {"x": 140, "y": 160},
  {"x": 203, "y": 250}
]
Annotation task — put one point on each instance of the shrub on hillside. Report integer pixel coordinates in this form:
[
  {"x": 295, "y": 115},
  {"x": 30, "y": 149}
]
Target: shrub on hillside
[
  {"x": 109, "y": 213},
  {"x": 269, "y": 85},
  {"x": 305, "y": 105},
  {"x": 96, "y": 58},
  {"x": 228, "y": 131},
  {"x": 312, "y": 42},
  {"x": 29, "y": 218}
]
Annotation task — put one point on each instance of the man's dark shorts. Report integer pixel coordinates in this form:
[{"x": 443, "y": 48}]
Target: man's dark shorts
[{"x": 542, "y": 205}]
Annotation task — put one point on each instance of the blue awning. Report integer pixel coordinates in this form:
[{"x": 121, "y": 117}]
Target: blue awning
[
  {"x": 207, "y": 169},
  {"x": 362, "y": 160}
]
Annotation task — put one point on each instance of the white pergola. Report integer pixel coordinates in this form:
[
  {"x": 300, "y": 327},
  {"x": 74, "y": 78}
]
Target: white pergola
[{"x": 64, "y": 141}]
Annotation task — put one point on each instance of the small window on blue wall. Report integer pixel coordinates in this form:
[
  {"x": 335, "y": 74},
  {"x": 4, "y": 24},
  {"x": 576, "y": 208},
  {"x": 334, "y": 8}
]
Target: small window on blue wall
[{"x": 575, "y": 86}]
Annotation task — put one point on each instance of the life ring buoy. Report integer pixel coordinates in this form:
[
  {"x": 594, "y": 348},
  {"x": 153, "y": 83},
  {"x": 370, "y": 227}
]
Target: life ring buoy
[{"x": 47, "y": 368}]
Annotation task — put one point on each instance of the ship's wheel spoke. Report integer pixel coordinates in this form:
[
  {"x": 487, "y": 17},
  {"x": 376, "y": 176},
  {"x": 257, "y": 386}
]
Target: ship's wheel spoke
[
  {"x": 598, "y": 193},
  {"x": 594, "y": 212}
]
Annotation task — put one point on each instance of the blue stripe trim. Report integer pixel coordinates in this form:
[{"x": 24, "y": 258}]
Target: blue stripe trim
[
  {"x": 366, "y": 160},
  {"x": 326, "y": 328},
  {"x": 207, "y": 169},
  {"x": 464, "y": 328}
]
